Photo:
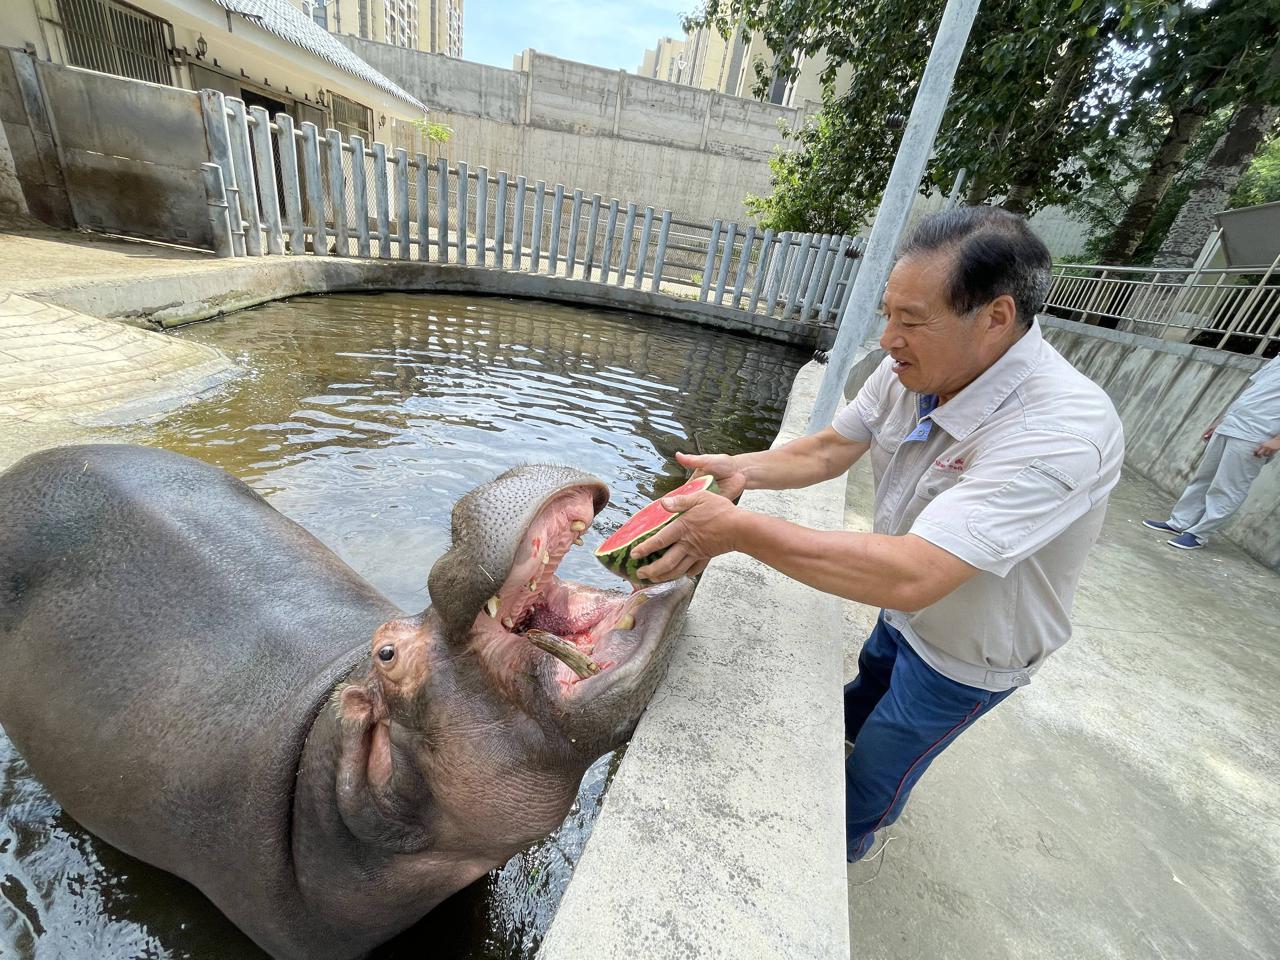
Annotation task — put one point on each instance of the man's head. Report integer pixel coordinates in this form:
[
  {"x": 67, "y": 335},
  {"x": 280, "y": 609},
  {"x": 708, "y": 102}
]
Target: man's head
[{"x": 967, "y": 284}]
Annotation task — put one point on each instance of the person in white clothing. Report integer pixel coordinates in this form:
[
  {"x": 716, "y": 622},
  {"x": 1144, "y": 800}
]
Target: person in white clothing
[{"x": 1245, "y": 440}]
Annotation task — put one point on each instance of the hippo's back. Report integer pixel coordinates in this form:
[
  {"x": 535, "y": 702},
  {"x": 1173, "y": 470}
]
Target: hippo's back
[{"x": 166, "y": 637}]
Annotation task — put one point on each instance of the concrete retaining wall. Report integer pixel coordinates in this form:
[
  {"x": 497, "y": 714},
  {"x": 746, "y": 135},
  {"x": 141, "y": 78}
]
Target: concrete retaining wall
[
  {"x": 692, "y": 151},
  {"x": 1167, "y": 394},
  {"x": 722, "y": 835}
]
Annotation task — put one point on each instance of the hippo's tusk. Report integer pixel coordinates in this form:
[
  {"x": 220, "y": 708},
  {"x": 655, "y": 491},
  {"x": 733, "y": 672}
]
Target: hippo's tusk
[
  {"x": 492, "y": 607},
  {"x": 577, "y": 526},
  {"x": 625, "y": 622},
  {"x": 565, "y": 652}
]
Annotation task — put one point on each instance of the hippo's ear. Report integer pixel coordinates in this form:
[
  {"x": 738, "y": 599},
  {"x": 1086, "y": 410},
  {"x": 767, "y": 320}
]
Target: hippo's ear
[{"x": 374, "y": 797}]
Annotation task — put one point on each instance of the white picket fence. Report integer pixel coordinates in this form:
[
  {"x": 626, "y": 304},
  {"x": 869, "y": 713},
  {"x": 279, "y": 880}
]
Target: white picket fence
[{"x": 276, "y": 189}]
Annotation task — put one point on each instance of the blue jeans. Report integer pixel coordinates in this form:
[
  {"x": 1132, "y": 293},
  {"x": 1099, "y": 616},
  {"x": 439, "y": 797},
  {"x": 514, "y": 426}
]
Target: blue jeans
[{"x": 899, "y": 713}]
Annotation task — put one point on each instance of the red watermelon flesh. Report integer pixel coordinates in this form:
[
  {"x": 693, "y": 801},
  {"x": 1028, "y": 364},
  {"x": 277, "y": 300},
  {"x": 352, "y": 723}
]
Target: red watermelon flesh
[{"x": 615, "y": 552}]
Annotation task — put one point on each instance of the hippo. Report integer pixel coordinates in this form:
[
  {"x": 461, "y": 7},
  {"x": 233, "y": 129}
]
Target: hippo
[{"x": 203, "y": 684}]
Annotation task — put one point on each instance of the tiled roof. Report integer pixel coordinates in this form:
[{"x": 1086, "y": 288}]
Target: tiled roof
[{"x": 289, "y": 23}]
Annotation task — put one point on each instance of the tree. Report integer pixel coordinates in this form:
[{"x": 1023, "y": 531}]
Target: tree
[
  {"x": 1040, "y": 82},
  {"x": 1212, "y": 191},
  {"x": 1219, "y": 55},
  {"x": 1232, "y": 155}
]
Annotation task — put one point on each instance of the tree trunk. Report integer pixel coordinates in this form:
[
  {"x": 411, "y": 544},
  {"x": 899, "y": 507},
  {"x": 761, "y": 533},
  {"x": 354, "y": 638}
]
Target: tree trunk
[
  {"x": 1018, "y": 199},
  {"x": 1231, "y": 156},
  {"x": 1160, "y": 173},
  {"x": 979, "y": 190},
  {"x": 1068, "y": 84}
]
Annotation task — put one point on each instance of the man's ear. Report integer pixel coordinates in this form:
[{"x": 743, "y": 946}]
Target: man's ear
[{"x": 1002, "y": 315}]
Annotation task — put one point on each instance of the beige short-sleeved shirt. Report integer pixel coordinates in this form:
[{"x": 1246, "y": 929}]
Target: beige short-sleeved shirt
[{"x": 1011, "y": 475}]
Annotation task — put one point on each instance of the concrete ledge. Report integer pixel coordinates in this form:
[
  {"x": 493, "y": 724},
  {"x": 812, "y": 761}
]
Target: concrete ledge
[
  {"x": 722, "y": 835},
  {"x": 209, "y": 289}
]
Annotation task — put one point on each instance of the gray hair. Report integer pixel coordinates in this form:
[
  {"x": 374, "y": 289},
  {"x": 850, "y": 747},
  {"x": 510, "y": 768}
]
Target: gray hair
[{"x": 995, "y": 253}]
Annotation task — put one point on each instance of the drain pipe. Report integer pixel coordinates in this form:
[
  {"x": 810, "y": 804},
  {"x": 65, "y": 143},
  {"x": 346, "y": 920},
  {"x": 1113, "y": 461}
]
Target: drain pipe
[{"x": 899, "y": 193}]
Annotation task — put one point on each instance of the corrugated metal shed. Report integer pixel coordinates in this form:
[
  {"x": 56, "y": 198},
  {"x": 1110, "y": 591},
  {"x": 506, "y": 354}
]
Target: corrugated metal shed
[{"x": 288, "y": 23}]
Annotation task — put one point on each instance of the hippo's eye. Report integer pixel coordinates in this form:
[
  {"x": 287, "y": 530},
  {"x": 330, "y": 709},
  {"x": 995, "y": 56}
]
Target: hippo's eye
[{"x": 386, "y": 653}]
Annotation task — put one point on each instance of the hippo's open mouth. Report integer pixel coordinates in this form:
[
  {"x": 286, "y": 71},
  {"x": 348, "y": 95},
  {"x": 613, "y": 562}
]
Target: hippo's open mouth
[{"x": 580, "y": 638}]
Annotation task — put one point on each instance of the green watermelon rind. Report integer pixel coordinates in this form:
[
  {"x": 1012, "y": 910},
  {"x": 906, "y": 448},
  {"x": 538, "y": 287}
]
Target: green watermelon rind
[{"x": 619, "y": 561}]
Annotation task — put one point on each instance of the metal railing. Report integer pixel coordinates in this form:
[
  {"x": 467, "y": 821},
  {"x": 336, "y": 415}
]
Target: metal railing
[
  {"x": 1226, "y": 308},
  {"x": 277, "y": 189}
]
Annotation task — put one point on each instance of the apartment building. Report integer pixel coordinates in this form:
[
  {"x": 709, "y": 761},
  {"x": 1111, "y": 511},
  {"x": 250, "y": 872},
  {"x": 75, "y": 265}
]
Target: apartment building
[{"x": 432, "y": 26}]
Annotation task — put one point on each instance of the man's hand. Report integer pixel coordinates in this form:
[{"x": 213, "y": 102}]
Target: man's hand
[
  {"x": 1268, "y": 448},
  {"x": 1208, "y": 434},
  {"x": 729, "y": 476},
  {"x": 705, "y": 529}
]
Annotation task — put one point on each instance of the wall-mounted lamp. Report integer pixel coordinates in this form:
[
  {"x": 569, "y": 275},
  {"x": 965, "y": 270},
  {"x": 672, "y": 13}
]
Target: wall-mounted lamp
[
  {"x": 382, "y": 119},
  {"x": 202, "y": 47},
  {"x": 320, "y": 97}
]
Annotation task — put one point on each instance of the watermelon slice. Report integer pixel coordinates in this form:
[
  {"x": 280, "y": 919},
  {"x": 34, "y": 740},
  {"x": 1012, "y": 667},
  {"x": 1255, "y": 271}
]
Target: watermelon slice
[{"x": 615, "y": 552}]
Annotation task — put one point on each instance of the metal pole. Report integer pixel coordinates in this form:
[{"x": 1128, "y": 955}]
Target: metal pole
[
  {"x": 660, "y": 255},
  {"x": 216, "y": 198},
  {"x": 917, "y": 141},
  {"x": 954, "y": 196}
]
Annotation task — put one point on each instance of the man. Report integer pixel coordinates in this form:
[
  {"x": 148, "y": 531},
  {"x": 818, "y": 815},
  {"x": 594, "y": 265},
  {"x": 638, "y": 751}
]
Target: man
[
  {"x": 993, "y": 458},
  {"x": 1240, "y": 445}
]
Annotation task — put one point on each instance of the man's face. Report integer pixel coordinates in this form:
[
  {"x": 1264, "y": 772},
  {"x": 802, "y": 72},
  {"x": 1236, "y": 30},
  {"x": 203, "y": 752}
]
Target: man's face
[{"x": 935, "y": 349}]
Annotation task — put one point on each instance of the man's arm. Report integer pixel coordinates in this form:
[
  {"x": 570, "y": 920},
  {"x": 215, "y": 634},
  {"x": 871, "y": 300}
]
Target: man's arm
[
  {"x": 904, "y": 573},
  {"x": 1268, "y": 448},
  {"x": 799, "y": 463}
]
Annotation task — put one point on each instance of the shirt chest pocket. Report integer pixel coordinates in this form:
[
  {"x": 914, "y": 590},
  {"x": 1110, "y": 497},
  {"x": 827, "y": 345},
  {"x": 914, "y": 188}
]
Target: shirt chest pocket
[{"x": 935, "y": 482}]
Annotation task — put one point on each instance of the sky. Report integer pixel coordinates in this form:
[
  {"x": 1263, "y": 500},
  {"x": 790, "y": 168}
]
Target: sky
[{"x": 606, "y": 33}]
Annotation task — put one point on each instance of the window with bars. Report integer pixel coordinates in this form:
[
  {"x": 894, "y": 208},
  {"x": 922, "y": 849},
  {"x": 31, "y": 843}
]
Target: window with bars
[
  {"x": 112, "y": 37},
  {"x": 351, "y": 118}
]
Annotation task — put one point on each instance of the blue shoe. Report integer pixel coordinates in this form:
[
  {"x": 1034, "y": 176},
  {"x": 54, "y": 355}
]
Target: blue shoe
[
  {"x": 1186, "y": 541},
  {"x": 1161, "y": 526}
]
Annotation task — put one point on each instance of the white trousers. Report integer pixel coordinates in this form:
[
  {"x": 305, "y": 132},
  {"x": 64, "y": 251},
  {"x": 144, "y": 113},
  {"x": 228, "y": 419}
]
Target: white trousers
[{"x": 1219, "y": 486}]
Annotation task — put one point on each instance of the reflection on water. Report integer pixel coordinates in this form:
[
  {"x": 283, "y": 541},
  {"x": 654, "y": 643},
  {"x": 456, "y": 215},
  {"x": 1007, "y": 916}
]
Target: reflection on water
[{"x": 364, "y": 418}]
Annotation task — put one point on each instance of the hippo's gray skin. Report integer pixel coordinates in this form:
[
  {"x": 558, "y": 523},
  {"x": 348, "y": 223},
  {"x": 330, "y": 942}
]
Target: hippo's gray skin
[{"x": 203, "y": 684}]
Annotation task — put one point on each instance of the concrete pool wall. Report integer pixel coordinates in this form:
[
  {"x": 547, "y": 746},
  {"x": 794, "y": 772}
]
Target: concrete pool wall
[
  {"x": 722, "y": 834},
  {"x": 209, "y": 288}
]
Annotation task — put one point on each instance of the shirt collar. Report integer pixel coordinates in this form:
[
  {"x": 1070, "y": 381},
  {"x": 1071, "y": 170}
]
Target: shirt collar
[{"x": 969, "y": 409}]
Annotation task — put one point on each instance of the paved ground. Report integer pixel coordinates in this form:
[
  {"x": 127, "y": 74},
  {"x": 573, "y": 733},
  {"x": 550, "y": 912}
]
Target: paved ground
[
  {"x": 32, "y": 258},
  {"x": 1127, "y": 803}
]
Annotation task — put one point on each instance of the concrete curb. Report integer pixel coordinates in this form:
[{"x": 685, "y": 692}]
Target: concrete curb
[
  {"x": 722, "y": 833},
  {"x": 206, "y": 290}
]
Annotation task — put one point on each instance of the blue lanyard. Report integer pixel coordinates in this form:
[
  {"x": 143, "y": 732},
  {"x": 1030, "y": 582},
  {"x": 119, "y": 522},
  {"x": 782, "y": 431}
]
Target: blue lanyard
[{"x": 926, "y": 403}]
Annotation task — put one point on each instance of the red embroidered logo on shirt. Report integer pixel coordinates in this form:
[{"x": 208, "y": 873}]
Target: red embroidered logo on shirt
[{"x": 952, "y": 464}]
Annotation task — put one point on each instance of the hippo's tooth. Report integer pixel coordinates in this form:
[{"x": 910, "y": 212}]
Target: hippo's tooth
[
  {"x": 577, "y": 526},
  {"x": 508, "y": 622},
  {"x": 625, "y": 622},
  {"x": 546, "y": 558},
  {"x": 533, "y": 586},
  {"x": 491, "y": 606},
  {"x": 565, "y": 652},
  {"x": 577, "y": 541}
]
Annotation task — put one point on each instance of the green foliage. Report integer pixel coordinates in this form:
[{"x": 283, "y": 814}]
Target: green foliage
[
  {"x": 1261, "y": 182},
  {"x": 434, "y": 132},
  {"x": 1037, "y": 85}
]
